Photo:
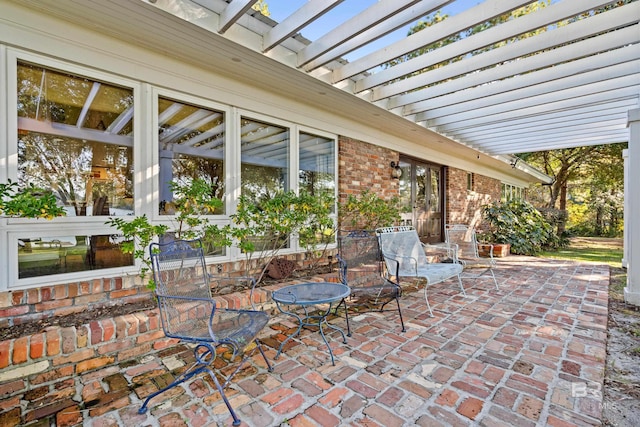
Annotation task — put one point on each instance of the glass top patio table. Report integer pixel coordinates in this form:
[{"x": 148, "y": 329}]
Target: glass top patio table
[{"x": 311, "y": 294}]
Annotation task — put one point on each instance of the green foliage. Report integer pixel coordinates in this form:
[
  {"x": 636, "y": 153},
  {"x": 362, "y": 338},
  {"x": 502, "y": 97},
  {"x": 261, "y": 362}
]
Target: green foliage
[
  {"x": 263, "y": 228},
  {"x": 517, "y": 222},
  {"x": 191, "y": 202},
  {"x": 138, "y": 234},
  {"x": 368, "y": 211},
  {"x": 29, "y": 202},
  {"x": 589, "y": 181}
]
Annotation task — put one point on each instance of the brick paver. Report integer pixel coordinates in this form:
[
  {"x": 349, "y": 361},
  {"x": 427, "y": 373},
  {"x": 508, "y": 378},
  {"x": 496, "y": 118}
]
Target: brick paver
[{"x": 529, "y": 354}]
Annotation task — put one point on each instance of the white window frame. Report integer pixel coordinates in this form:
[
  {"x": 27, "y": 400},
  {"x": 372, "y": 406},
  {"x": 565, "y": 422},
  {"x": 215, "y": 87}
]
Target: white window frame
[
  {"x": 145, "y": 164},
  {"x": 63, "y": 225}
]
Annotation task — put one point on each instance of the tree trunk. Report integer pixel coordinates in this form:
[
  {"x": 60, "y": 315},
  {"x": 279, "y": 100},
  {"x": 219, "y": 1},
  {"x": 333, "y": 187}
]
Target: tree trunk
[{"x": 562, "y": 224}]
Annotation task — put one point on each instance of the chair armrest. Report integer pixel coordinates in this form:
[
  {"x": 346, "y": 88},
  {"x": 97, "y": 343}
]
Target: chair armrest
[
  {"x": 451, "y": 249},
  {"x": 392, "y": 260}
]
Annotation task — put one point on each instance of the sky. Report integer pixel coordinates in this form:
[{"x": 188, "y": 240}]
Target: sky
[{"x": 280, "y": 9}]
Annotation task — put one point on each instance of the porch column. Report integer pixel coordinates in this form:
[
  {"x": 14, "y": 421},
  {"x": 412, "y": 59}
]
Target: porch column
[
  {"x": 632, "y": 291},
  {"x": 626, "y": 214}
]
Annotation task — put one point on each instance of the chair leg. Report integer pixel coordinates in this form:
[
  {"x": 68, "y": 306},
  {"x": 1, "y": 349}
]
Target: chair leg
[
  {"x": 427, "y": 300},
  {"x": 202, "y": 364},
  {"x": 494, "y": 279},
  {"x": 461, "y": 287},
  {"x": 400, "y": 313},
  {"x": 236, "y": 420},
  {"x": 346, "y": 315}
]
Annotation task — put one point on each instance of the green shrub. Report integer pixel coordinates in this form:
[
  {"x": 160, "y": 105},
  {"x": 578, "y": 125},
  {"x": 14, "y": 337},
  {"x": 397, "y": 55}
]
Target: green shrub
[
  {"x": 518, "y": 223},
  {"x": 28, "y": 202},
  {"x": 368, "y": 211},
  {"x": 262, "y": 228}
]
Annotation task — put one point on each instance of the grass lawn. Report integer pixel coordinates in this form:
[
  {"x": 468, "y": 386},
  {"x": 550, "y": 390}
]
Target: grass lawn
[
  {"x": 590, "y": 249},
  {"x": 597, "y": 249}
]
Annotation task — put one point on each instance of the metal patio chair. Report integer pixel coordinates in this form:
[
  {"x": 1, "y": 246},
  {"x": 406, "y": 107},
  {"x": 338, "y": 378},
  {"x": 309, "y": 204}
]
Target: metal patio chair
[
  {"x": 406, "y": 256},
  {"x": 466, "y": 239},
  {"x": 361, "y": 269},
  {"x": 188, "y": 312}
]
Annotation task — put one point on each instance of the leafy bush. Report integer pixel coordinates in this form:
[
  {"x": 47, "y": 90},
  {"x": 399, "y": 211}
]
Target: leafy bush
[
  {"x": 261, "y": 229},
  {"x": 190, "y": 203},
  {"x": 29, "y": 202},
  {"x": 368, "y": 211},
  {"x": 517, "y": 222}
]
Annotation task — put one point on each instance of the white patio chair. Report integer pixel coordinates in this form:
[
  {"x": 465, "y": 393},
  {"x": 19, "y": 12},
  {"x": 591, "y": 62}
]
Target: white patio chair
[
  {"x": 406, "y": 256},
  {"x": 466, "y": 239}
]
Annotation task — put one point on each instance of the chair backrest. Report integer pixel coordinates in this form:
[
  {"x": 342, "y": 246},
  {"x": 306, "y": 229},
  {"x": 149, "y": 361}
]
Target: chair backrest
[
  {"x": 402, "y": 243},
  {"x": 182, "y": 286},
  {"x": 360, "y": 258},
  {"x": 466, "y": 239}
]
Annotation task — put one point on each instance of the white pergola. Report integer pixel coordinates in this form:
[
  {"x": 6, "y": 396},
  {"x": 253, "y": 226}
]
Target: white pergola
[{"x": 576, "y": 82}]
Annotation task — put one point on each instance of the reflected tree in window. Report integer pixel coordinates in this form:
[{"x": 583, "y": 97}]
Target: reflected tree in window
[
  {"x": 75, "y": 137},
  {"x": 191, "y": 140}
]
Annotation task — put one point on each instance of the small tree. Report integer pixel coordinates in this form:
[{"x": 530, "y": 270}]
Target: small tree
[
  {"x": 261, "y": 230},
  {"x": 368, "y": 211},
  {"x": 191, "y": 202}
]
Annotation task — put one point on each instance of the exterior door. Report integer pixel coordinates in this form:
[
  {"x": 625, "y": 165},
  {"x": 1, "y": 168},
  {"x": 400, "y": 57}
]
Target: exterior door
[{"x": 421, "y": 198}]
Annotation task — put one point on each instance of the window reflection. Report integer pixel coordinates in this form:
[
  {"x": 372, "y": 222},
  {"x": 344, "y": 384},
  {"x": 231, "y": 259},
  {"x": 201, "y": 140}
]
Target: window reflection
[
  {"x": 42, "y": 256},
  {"x": 265, "y": 159},
  {"x": 75, "y": 137},
  {"x": 191, "y": 140},
  {"x": 317, "y": 164}
]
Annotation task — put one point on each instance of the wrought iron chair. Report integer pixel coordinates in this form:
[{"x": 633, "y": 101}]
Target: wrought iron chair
[
  {"x": 466, "y": 239},
  {"x": 406, "y": 256},
  {"x": 362, "y": 270},
  {"x": 188, "y": 312}
]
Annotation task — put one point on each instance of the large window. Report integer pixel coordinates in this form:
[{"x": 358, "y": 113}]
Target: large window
[
  {"x": 191, "y": 145},
  {"x": 77, "y": 131},
  {"x": 75, "y": 137}
]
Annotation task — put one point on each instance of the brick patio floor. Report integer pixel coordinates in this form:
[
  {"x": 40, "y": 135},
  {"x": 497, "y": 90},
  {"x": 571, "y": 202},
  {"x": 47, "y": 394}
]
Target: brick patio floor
[{"x": 530, "y": 354}]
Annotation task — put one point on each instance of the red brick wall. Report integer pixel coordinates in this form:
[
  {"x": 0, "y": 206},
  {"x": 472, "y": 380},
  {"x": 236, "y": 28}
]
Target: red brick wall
[
  {"x": 364, "y": 166},
  {"x": 464, "y": 206}
]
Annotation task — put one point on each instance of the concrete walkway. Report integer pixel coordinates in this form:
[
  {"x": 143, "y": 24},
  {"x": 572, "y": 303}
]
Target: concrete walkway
[{"x": 531, "y": 354}]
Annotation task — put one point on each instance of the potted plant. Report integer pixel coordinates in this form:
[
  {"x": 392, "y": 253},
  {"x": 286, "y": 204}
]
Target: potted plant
[{"x": 518, "y": 224}]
